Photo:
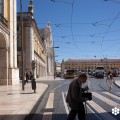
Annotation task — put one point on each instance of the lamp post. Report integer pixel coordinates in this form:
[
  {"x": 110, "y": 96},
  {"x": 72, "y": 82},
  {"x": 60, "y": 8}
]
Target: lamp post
[
  {"x": 105, "y": 64},
  {"x": 33, "y": 64},
  {"x": 22, "y": 51},
  {"x": 54, "y": 58},
  {"x": 106, "y": 60}
]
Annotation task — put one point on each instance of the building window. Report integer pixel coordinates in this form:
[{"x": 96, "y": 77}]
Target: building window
[{"x": 2, "y": 7}]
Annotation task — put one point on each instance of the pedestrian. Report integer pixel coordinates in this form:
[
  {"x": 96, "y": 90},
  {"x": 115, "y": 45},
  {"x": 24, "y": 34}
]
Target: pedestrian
[
  {"x": 30, "y": 75},
  {"x": 27, "y": 77},
  {"x": 74, "y": 98},
  {"x": 33, "y": 85},
  {"x": 24, "y": 78},
  {"x": 109, "y": 80}
]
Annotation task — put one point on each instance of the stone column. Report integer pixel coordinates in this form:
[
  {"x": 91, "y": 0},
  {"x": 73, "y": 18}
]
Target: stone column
[
  {"x": 13, "y": 70},
  {"x": 11, "y": 34},
  {"x": 49, "y": 66},
  {"x": 29, "y": 46},
  {"x": 14, "y": 35}
]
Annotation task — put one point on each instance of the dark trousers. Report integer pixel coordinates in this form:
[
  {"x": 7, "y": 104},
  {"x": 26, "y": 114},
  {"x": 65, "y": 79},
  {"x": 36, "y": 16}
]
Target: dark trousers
[{"x": 80, "y": 112}]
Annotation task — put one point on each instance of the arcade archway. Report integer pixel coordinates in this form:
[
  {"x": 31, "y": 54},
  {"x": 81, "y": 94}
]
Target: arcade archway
[{"x": 3, "y": 61}]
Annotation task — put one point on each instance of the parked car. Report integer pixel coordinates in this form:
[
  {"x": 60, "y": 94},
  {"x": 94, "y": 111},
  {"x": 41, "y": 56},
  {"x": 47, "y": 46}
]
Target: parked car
[
  {"x": 58, "y": 74},
  {"x": 100, "y": 75}
]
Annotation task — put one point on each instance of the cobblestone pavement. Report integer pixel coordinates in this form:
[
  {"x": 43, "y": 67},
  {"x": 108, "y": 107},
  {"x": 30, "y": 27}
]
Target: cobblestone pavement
[{"x": 15, "y": 104}]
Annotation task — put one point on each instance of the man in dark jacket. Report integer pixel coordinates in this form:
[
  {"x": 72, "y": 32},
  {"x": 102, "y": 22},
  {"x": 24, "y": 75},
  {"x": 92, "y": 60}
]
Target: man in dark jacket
[{"x": 74, "y": 98}]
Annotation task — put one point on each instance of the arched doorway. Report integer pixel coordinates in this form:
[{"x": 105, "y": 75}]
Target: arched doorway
[{"x": 3, "y": 61}]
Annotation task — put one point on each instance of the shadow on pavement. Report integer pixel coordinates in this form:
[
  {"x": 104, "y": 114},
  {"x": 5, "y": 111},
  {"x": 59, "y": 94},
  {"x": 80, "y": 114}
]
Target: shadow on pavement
[
  {"x": 47, "y": 116},
  {"x": 28, "y": 93}
]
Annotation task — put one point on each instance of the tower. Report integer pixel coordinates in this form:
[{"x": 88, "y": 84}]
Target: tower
[{"x": 31, "y": 7}]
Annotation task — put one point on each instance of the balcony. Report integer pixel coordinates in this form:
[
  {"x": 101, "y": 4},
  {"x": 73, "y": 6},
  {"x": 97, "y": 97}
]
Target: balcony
[{"x": 3, "y": 20}]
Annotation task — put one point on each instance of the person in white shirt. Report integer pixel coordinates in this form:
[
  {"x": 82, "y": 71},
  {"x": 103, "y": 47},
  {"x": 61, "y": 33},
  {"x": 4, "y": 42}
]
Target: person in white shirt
[{"x": 109, "y": 80}]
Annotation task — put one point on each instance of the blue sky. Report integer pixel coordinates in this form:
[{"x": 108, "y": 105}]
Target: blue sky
[{"x": 83, "y": 29}]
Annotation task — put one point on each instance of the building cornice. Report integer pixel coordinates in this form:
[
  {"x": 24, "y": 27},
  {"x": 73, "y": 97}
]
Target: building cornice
[
  {"x": 4, "y": 28},
  {"x": 39, "y": 56},
  {"x": 93, "y": 60}
]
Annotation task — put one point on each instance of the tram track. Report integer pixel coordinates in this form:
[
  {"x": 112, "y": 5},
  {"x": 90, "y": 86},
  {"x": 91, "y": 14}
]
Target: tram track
[{"x": 97, "y": 112}]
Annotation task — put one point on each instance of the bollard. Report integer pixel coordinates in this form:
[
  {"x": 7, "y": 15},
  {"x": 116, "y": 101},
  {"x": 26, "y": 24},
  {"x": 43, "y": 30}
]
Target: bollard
[{"x": 34, "y": 85}]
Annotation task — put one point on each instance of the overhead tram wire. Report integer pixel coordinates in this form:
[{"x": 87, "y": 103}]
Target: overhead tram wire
[
  {"x": 113, "y": 1},
  {"x": 71, "y": 17},
  {"x": 96, "y": 23},
  {"x": 72, "y": 4},
  {"x": 71, "y": 13},
  {"x": 105, "y": 20},
  {"x": 61, "y": 1},
  {"x": 108, "y": 30},
  {"x": 93, "y": 23},
  {"x": 93, "y": 35},
  {"x": 72, "y": 24},
  {"x": 87, "y": 23},
  {"x": 86, "y": 41},
  {"x": 72, "y": 27}
]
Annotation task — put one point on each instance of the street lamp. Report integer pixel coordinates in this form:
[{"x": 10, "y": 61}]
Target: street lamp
[
  {"x": 54, "y": 58},
  {"x": 33, "y": 64},
  {"x": 105, "y": 63},
  {"x": 106, "y": 60},
  {"x": 22, "y": 51}
]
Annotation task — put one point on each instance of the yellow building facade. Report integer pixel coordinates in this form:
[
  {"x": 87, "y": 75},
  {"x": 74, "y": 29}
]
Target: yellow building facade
[
  {"x": 46, "y": 34},
  {"x": 9, "y": 73},
  {"x": 33, "y": 46},
  {"x": 39, "y": 54},
  {"x": 90, "y": 65}
]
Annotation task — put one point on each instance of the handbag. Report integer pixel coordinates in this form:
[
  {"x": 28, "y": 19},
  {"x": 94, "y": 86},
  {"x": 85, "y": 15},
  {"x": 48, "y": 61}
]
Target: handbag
[{"x": 87, "y": 95}]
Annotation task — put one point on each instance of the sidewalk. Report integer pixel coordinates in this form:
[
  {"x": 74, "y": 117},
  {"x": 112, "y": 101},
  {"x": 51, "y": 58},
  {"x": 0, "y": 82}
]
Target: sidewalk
[
  {"x": 15, "y": 103},
  {"x": 45, "y": 78}
]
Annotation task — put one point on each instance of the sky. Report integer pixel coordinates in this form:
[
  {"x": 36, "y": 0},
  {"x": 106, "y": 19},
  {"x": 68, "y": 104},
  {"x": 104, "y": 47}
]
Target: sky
[{"x": 83, "y": 29}]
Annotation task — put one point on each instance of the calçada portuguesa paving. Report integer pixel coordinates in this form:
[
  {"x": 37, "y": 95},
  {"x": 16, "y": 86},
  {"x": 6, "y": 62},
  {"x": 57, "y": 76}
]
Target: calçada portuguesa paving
[{"x": 15, "y": 103}]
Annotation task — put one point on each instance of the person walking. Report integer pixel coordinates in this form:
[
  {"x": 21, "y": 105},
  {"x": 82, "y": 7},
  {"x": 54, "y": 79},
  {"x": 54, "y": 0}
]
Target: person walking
[
  {"x": 27, "y": 77},
  {"x": 30, "y": 75},
  {"x": 74, "y": 98},
  {"x": 109, "y": 80},
  {"x": 24, "y": 78}
]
